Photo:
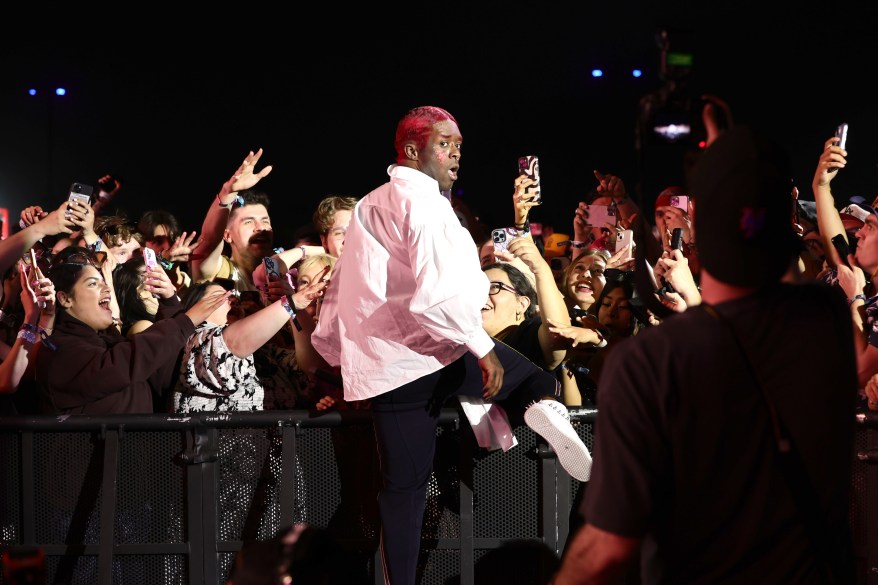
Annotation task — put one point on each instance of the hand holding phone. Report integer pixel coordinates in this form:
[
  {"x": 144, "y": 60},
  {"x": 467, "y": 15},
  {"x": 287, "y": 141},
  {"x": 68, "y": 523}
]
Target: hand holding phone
[
  {"x": 502, "y": 237},
  {"x": 80, "y": 192}
]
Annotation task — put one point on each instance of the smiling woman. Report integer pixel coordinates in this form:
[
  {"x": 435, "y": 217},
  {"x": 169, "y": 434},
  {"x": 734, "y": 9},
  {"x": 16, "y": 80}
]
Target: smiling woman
[{"x": 93, "y": 368}]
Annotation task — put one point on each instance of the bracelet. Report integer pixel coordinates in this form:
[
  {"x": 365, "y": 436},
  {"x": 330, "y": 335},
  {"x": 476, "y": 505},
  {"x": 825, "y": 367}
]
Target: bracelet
[
  {"x": 166, "y": 264},
  {"x": 287, "y": 302},
  {"x": 304, "y": 253},
  {"x": 27, "y": 335},
  {"x": 238, "y": 199},
  {"x": 855, "y": 298},
  {"x": 574, "y": 244}
]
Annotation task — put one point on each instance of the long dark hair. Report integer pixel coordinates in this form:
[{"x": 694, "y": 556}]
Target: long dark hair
[
  {"x": 625, "y": 280},
  {"x": 127, "y": 278}
]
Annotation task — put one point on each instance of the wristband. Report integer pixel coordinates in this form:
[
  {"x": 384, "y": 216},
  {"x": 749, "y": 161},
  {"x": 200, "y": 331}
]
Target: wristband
[
  {"x": 27, "y": 335},
  {"x": 166, "y": 264},
  {"x": 855, "y": 298},
  {"x": 287, "y": 303},
  {"x": 304, "y": 253},
  {"x": 237, "y": 200}
]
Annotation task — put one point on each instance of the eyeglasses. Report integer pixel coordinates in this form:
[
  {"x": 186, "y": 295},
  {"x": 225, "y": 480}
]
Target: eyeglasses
[
  {"x": 496, "y": 286},
  {"x": 160, "y": 240}
]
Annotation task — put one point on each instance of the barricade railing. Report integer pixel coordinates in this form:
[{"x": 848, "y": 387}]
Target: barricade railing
[{"x": 170, "y": 499}]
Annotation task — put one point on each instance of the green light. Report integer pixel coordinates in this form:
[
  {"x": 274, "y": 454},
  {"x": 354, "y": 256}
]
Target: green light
[{"x": 680, "y": 59}]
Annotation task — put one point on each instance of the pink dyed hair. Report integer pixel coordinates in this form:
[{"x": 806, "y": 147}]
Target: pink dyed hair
[{"x": 417, "y": 125}]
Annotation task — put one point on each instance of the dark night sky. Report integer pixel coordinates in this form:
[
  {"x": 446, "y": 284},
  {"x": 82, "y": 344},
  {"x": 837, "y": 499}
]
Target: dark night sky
[{"x": 174, "y": 111}]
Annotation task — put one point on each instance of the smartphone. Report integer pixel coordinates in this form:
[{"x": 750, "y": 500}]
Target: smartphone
[
  {"x": 271, "y": 268},
  {"x": 80, "y": 192},
  {"x": 600, "y": 215},
  {"x": 149, "y": 257},
  {"x": 841, "y": 246},
  {"x": 677, "y": 239},
  {"x": 530, "y": 166},
  {"x": 625, "y": 238},
  {"x": 842, "y": 134},
  {"x": 33, "y": 262},
  {"x": 502, "y": 237},
  {"x": 680, "y": 202}
]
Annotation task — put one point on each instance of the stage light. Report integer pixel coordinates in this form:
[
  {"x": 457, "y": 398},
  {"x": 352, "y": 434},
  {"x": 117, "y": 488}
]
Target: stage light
[
  {"x": 637, "y": 73},
  {"x": 31, "y": 92},
  {"x": 60, "y": 91},
  {"x": 597, "y": 73}
]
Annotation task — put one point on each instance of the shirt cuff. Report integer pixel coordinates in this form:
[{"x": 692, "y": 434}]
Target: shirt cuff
[{"x": 480, "y": 344}]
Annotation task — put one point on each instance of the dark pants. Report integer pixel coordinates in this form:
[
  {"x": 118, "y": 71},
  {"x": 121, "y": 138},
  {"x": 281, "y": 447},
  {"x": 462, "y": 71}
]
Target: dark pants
[{"x": 405, "y": 422}]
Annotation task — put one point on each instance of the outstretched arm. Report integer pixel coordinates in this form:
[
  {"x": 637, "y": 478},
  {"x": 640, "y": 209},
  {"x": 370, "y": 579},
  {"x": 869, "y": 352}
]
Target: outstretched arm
[
  {"x": 828, "y": 219},
  {"x": 206, "y": 264}
]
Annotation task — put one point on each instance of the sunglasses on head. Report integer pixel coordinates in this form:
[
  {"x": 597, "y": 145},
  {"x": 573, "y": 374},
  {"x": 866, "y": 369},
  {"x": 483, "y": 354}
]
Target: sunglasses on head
[{"x": 95, "y": 259}]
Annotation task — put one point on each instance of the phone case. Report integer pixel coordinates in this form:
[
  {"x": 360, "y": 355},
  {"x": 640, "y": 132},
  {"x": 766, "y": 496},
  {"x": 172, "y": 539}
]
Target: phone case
[
  {"x": 80, "y": 192},
  {"x": 677, "y": 239},
  {"x": 530, "y": 166},
  {"x": 600, "y": 215},
  {"x": 623, "y": 238},
  {"x": 842, "y": 134},
  {"x": 271, "y": 267},
  {"x": 502, "y": 237},
  {"x": 149, "y": 257},
  {"x": 680, "y": 202},
  {"x": 842, "y": 247}
]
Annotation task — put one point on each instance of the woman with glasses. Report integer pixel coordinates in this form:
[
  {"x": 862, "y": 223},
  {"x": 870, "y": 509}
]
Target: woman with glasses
[{"x": 93, "y": 368}]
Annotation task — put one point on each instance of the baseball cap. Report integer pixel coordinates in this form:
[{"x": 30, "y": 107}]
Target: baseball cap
[
  {"x": 557, "y": 244},
  {"x": 743, "y": 184},
  {"x": 854, "y": 214}
]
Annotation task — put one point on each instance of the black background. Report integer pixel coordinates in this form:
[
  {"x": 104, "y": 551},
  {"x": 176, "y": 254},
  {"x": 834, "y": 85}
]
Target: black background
[{"x": 172, "y": 106}]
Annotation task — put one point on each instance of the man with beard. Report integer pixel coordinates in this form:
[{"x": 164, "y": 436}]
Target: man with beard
[{"x": 239, "y": 217}]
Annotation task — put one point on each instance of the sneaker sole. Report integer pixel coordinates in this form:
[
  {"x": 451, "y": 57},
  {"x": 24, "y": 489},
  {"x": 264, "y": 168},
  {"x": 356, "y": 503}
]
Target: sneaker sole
[{"x": 572, "y": 453}]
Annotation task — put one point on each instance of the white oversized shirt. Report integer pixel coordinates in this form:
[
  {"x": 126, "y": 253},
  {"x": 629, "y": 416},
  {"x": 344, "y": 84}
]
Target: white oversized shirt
[{"x": 406, "y": 296}]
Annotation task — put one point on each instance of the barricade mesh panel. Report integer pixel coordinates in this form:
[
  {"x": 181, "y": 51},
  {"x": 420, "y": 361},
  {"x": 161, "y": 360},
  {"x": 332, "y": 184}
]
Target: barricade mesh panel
[
  {"x": 68, "y": 471},
  {"x": 151, "y": 488},
  {"x": 333, "y": 484},
  {"x": 10, "y": 489},
  {"x": 858, "y": 510}
]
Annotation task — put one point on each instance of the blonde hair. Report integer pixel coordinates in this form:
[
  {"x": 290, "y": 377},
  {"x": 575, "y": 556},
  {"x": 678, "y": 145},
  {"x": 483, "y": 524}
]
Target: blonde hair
[{"x": 318, "y": 260}]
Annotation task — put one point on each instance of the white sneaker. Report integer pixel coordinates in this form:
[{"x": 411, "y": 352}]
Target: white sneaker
[{"x": 551, "y": 420}]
